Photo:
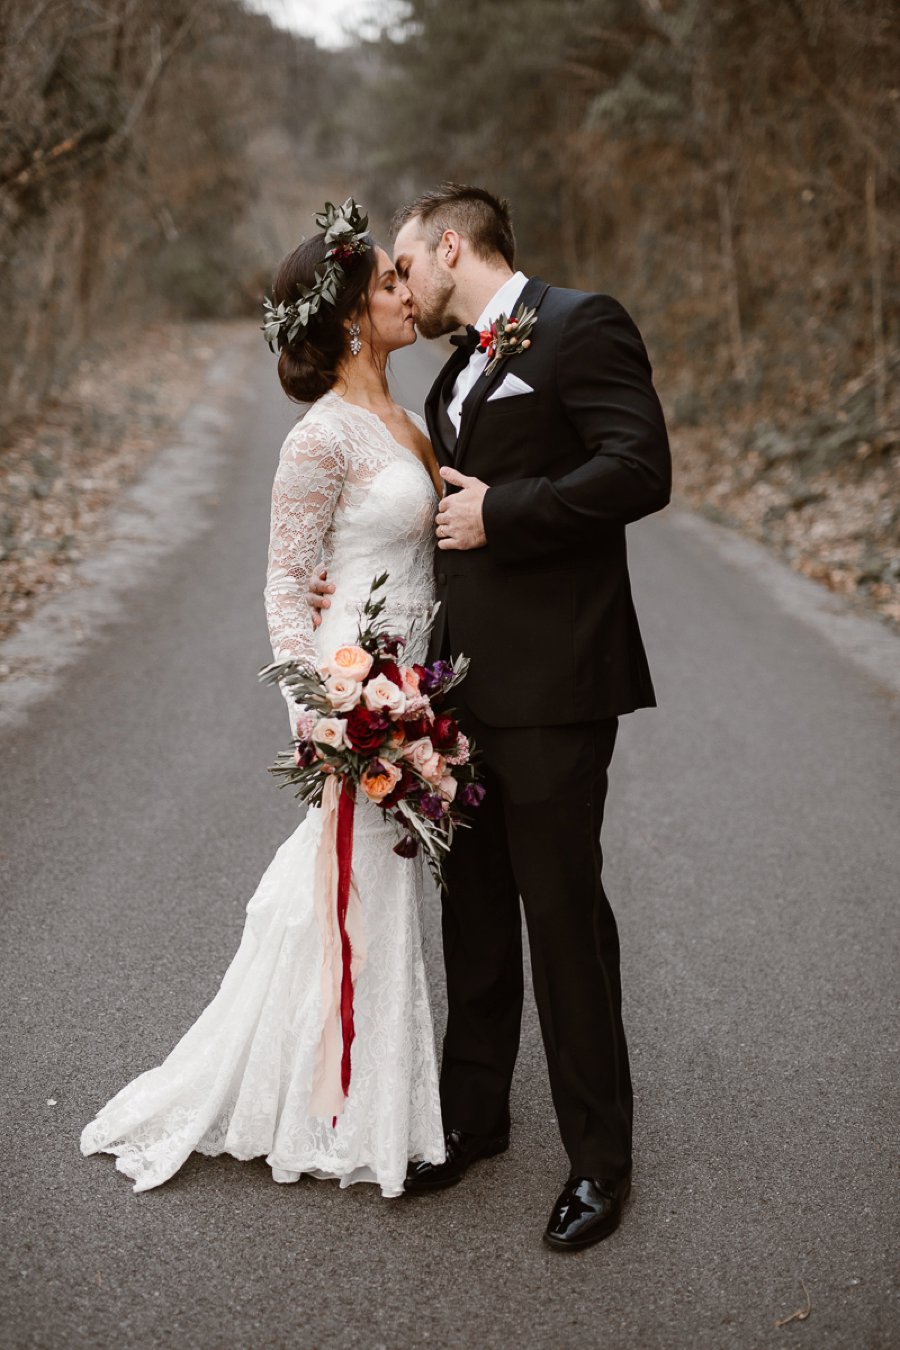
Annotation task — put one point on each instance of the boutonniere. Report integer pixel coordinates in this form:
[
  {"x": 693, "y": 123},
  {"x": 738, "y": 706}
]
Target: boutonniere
[{"x": 507, "y": 337}]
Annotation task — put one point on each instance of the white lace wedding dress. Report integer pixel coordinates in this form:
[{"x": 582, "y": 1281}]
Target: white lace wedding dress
[{"x": 350, "y": 496}]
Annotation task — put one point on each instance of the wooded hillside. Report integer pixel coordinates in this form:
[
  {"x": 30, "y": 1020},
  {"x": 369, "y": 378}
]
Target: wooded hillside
[
  {"x": 156, "y": 156},
  {"x": 729, "y": 169}
]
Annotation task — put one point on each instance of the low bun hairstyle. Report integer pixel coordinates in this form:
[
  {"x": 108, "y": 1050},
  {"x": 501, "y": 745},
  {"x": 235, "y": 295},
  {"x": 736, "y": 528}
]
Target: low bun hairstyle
[{"x": 307, "y": 368}]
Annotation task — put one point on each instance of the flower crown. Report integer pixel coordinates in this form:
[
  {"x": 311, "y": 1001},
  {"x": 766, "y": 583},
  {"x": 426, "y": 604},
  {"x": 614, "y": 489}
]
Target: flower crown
[{"x": 344, "y": 227}]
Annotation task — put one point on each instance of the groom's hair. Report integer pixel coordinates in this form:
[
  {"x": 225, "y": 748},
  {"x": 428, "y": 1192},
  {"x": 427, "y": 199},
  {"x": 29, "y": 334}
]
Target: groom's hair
[{"x": 472, "y": 212}]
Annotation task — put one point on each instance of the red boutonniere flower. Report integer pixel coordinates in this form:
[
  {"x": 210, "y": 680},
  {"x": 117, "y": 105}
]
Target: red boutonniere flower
[{"x": 507, "y": 337}]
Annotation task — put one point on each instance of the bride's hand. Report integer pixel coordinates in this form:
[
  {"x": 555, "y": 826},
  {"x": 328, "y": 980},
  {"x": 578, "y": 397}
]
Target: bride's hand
[{"x": 317, "y": 596}]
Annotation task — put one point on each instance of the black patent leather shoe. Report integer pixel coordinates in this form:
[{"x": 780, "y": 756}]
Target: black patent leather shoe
[
  {"x": 588, "y": 1210},
  {"x": 462, "y": 1150}
]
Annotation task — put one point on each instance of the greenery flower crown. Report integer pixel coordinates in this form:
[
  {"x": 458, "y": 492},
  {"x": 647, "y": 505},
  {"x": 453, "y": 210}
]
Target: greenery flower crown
[{"x": 344, "y": 227}]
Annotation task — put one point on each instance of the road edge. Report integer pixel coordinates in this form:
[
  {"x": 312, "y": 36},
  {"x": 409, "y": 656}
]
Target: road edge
[
  {"x": 862, "y": 639},
  {"x": 170, "y": 503}
]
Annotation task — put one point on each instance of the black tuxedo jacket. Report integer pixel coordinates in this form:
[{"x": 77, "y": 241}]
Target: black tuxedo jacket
[{"x": 545, "y": 609}]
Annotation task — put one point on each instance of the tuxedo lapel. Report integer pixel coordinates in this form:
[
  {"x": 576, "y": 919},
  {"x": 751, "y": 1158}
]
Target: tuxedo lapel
[
  {"x": 532, "y": 294},
  {"x": 440, "y": 427}
]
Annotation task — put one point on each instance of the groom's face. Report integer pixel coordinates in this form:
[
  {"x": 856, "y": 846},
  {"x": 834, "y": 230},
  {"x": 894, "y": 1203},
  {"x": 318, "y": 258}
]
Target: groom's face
[{"x": 429, "y": 281}]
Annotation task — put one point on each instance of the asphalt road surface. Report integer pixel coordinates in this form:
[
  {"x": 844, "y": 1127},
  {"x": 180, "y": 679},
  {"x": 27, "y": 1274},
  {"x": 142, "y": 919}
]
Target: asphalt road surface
[{"x": 753, "y": 856}]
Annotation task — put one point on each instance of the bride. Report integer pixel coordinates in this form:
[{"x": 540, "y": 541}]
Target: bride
[{"x": 356, "y": 490}]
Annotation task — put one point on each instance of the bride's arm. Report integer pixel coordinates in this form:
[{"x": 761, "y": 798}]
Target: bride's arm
[{"x": 307, "y": 486}]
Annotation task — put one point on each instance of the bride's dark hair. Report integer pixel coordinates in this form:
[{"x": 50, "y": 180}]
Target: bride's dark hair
[{"x": 307, "y": 368}]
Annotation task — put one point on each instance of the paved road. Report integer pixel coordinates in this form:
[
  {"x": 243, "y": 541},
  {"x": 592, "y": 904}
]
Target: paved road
[{"x": 753, "y": 857}]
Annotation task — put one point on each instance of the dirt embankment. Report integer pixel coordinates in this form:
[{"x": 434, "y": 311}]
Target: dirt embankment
[
  {"x": 824, "y": 492},
  {"x": 61, "y": 471}
]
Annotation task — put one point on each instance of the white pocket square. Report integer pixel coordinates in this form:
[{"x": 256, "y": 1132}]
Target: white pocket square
[{"x": 509, "y": 385}]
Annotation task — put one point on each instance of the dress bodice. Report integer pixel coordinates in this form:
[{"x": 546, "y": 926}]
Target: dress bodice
[{"x": 349, "y": 497}]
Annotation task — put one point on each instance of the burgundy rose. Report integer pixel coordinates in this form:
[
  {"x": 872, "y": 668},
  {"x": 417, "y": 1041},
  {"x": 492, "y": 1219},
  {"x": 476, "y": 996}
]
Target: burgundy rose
[
  {"x": 444, "y": 732},
  {"x": 304, "y": 754},
  {"x": 417, "y": 728},
  {"x": 390, "y": 670},
  {"x": 367, "y": 729}
]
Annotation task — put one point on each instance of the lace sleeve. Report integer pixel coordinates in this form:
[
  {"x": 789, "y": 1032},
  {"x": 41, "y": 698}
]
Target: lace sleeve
[{"x": 307, "y": 486}]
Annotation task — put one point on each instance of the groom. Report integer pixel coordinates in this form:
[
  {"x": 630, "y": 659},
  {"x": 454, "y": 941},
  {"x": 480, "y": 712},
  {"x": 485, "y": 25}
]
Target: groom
[{"x": 550, "y": 450}]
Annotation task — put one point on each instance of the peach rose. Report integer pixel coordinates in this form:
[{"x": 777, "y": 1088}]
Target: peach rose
[
  {"x": 381, "y": 694},
  {"x": 410, "y": 685},
  {"x": 351, "y": 662},
  {"x": 329, "y": 731},
  {"x": 378, "y": 779},
  {"x": 435, "y": 768},
  {"x": 342, "y": 691}
]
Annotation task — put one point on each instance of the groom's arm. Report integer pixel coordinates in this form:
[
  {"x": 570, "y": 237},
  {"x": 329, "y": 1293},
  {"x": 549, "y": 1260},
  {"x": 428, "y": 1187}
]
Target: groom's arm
[{"x": 605, "y": 385}]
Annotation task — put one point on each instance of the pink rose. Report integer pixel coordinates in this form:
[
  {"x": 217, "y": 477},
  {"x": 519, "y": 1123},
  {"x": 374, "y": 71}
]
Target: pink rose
[
  {"x": 447, "y": 787},
  {"x": 329, "y": 731},
  {"x": 381, "y": 694},
  {"x": 425, "y": 759},
  {"x": 342, "y": 691},
  {"x": 418, "y": 751},
  {"x": 378, "y": 779},
  {"x": 351, "y": 662},
  {"x": 434, "y": 769}
]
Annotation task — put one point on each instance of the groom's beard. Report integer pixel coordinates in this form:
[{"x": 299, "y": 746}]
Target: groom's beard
[{"x": 433, "y": 314}]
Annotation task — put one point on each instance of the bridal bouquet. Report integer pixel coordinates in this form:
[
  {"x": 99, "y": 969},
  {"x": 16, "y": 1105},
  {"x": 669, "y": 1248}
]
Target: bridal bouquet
[
  {"x": 383, "y": 730},
  {"x": 372, "y": 727}
]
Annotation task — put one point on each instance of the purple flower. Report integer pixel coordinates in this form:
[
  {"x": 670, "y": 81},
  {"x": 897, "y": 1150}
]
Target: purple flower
[
  {"x": 408, "y": 847},
  {"x": 431, "y": 806},
  {"x": 433, "y": 678},
  {"x": 471, "y": 795}
]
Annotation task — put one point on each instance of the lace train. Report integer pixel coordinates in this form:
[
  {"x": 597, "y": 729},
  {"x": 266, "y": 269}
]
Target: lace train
[{"x": 238, "y": 1082}]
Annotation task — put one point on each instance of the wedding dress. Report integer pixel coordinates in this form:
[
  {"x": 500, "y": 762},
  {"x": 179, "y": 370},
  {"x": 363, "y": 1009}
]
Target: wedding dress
[{"x": 351, "y": 497}]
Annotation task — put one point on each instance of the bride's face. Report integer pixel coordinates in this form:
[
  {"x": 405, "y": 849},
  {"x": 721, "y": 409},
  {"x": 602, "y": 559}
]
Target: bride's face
[{"x": 389, "y": 322}]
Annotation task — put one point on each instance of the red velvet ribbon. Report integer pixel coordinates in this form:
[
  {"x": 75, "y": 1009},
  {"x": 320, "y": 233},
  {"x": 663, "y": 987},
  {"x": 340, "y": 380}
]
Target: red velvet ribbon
[{"x": 344, "y": 842}]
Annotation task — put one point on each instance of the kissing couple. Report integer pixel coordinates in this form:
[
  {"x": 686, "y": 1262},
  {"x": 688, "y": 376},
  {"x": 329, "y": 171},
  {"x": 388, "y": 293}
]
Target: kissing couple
[{"x": 542, "y": 439}]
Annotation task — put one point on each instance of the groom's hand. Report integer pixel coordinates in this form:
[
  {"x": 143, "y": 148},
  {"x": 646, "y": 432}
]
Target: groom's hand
[{"x": 459, "y": 521}]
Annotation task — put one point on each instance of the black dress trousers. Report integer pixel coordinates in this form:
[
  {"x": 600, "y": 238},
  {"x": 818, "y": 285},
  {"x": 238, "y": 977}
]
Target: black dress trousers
[{"x": 537, "y": 835}]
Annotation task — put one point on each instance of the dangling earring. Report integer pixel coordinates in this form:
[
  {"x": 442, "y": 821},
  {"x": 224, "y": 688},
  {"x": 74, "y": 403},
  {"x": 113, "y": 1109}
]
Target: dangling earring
[{"x": 355, "y": 344}]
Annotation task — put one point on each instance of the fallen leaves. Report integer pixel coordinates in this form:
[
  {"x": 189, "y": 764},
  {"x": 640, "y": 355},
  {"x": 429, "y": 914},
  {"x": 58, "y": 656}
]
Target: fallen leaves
[
  {"x": 61, "y": 472},
  {"x": 833, "y": 517}
]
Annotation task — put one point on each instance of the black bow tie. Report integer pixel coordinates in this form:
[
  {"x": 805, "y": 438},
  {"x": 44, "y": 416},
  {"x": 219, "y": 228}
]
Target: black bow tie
[{"x": 467, "y": 341}]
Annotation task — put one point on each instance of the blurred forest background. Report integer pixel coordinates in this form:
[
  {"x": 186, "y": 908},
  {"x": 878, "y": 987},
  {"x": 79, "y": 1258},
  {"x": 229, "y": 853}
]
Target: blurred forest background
[{"x": 729, "y": 169}]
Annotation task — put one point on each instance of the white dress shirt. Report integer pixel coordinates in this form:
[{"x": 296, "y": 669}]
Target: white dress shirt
[{"x": 502, "y": 302}]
